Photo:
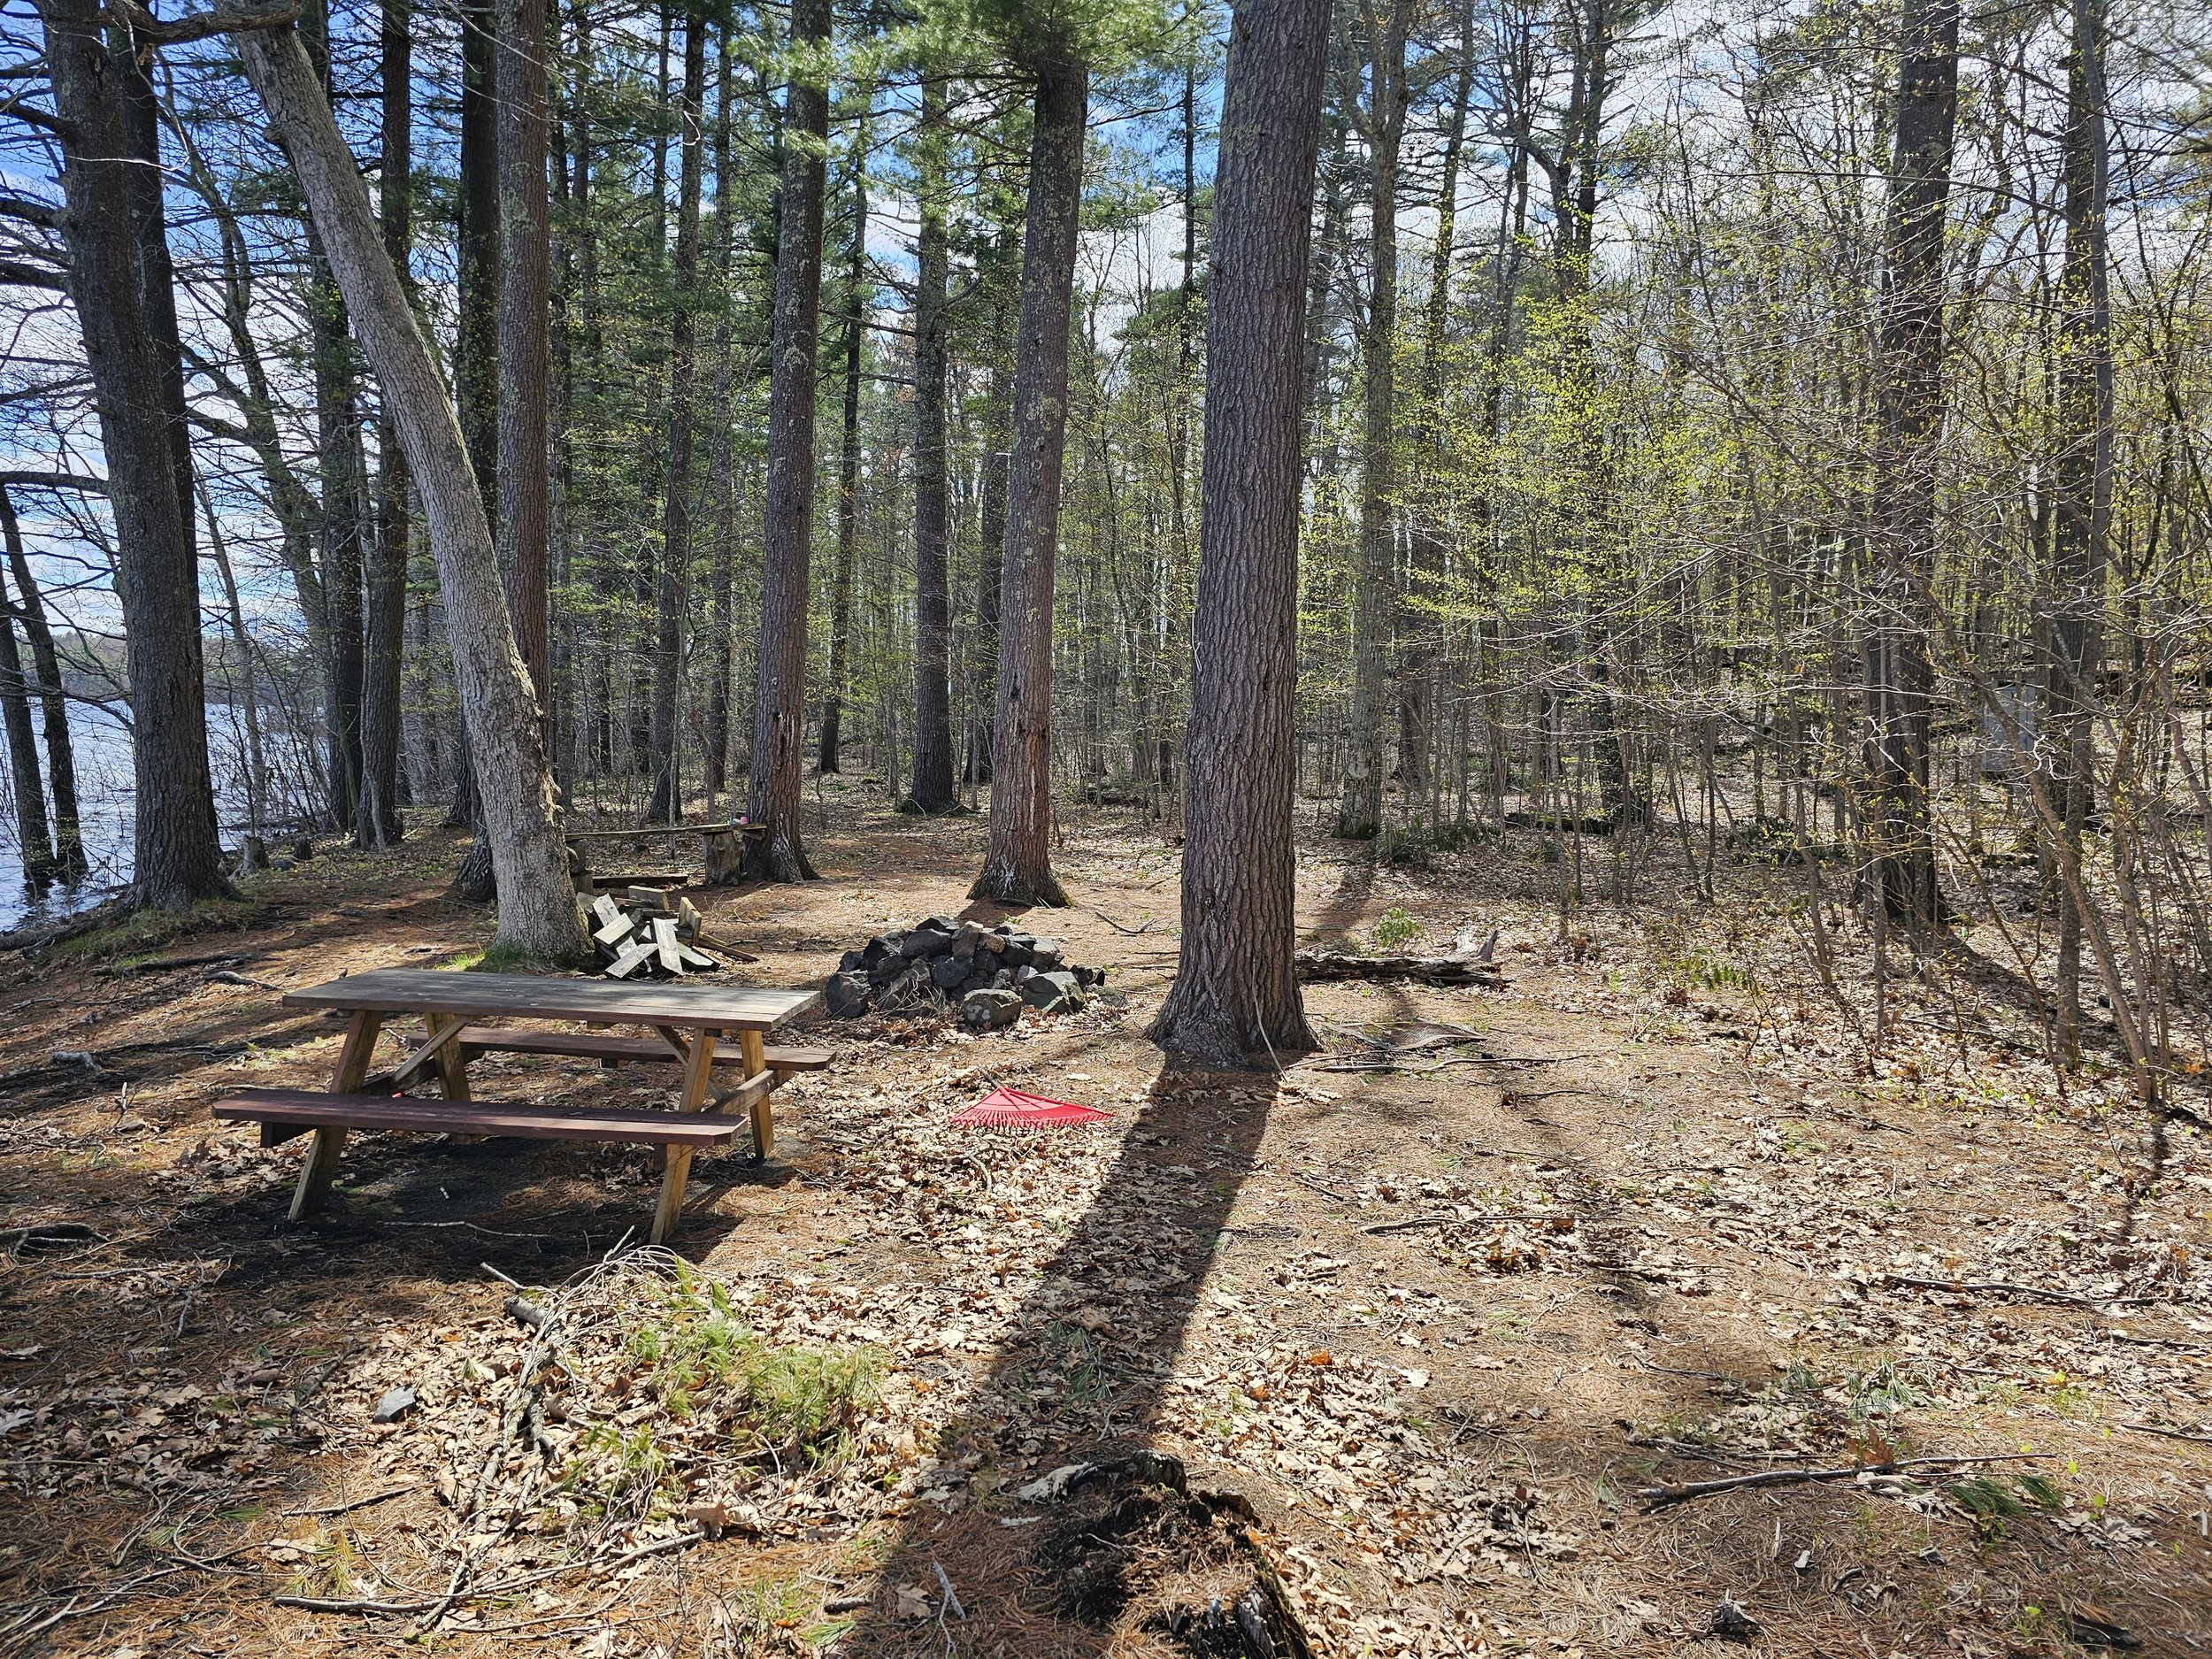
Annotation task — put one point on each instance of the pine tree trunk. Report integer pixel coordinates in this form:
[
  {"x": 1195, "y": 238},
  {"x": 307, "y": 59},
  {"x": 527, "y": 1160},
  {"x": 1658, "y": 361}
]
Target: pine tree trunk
[
  {"x": 2082, "y": 489},
  {"x": 538, "y": 916},
  {"x": 377, "y": 823},
  {"x": 667, "y": 804},
  {"x": 1901, "y": 681},
  {"x": 829, "y": 741},
  {"x": 33, "y": 833},
  {"x": 524, "y": 522},
  {"x": 714, "y": 771},
  {"x": 476, "y": 350},
  {"x": 177, "y": 860},
  {"x": 932, "y": 790},
  {"x": 70, "y": 863},
  {"x": 779, "y": 708},
  {"x": 1360, "y": 814},
  {"x": 1235, "y": 997},
  {"x": 1018, "y": 865}
]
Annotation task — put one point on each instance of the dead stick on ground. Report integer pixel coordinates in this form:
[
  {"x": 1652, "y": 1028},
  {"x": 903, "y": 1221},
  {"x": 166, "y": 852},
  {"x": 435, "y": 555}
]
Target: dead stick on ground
[
  {"x": 2172, "y": 1434},
  {"x": 1451, "y": 1221},
  {"x": 2069, "y": 1298},
  {"x": 359, "y": 1503},
  {"x": 1659, "y": 1497},
  {"x": 498, "y": 1587}
]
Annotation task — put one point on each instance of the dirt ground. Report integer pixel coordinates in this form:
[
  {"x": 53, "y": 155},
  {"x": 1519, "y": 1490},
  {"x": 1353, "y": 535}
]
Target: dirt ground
[{"x": 1383, "y": 1355}]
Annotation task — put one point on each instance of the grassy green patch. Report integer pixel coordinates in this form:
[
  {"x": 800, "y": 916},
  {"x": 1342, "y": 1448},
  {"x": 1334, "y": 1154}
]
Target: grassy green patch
[{"x": 692, "y": 1350}]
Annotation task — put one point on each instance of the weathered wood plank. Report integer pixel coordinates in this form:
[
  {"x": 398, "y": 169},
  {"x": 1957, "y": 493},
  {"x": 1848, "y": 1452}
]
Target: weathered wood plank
[
  {"x": 623, "y": 1050},
  {"x": 520, "y": 1119},
  {"x": 596, "y": 1002}
]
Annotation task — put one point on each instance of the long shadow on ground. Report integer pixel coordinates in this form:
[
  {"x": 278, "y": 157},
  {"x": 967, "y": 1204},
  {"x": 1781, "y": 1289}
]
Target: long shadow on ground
[{"x": 1080, "y": 1376}]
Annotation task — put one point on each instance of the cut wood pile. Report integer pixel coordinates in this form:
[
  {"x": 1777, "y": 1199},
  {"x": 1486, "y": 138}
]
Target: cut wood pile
[
  {"x": 1467, "y": 962},
  {"x": 991, "y": 973},
  {"x": 652, "y": 933}
]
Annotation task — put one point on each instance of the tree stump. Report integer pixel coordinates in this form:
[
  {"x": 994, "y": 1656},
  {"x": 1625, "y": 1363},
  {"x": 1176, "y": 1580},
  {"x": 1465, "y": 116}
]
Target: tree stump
[{"x": 722, "y": 858}]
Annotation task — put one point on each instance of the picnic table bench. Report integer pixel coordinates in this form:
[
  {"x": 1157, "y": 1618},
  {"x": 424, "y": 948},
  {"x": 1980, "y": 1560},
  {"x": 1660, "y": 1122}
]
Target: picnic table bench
[{"x": 688, "y": 1020}]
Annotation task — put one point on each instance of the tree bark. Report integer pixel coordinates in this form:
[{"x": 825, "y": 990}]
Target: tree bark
[
  {"x": 538, "y": 916},
  {"x": 1235, "y": 996},
  {"x": 1360, "y": 814},
  {"x": 177, "y": 860},
  {"x": 338, "y": 461},
  {"x": 377, "y": 823},
  {"x": 1900, "y": 679},
  {"x": 70, "y": 863},
  {"x": 2082, "y": 488},
  {"x": 34, "y": 832},
  {"x": 476, "y": 344},
  {"x": 932, "y": 790},
  {"x": 714, "y": 771},
  {"x": 827, "y": 758},
  {"x": 779, "y": 854},
  {"x": 523, "y": 417},
  {"x": 667, "y": 804},
  {"x": 1018, "y": 864}
]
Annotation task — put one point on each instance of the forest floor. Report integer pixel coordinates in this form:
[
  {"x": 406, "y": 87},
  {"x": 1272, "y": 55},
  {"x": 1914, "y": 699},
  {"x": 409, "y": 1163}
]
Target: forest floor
[{"x": 1411, "y": 1342}]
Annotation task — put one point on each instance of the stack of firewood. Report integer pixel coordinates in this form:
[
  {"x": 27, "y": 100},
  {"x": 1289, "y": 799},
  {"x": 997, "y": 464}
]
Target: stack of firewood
[{"x": 652, "y": 935}]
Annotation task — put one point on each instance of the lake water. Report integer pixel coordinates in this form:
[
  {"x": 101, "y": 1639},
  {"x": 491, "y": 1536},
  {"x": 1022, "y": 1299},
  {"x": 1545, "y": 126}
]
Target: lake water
[{"x": 106, "y": 802}]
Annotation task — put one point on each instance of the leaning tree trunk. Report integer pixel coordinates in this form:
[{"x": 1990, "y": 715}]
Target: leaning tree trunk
[
  {"x": 177, "y": 860},
  {"x": 377, "y": 823},
  {"x": 932, "y": 790},
  {"x": 2083, "y": 490},
  {"x": 667, "y": 804},
  {"x": 1900, "y": 679},
  {"x": 1235, "y": 996},
  {"x": 1018, "y": 865},
  {"x": 538, "y": 915},
  {"x": 779, "y": 708}
]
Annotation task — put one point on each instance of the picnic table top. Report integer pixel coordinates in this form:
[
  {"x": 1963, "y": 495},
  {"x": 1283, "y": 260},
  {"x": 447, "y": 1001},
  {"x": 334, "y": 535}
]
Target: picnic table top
[{"x": 602, "y": 1001}]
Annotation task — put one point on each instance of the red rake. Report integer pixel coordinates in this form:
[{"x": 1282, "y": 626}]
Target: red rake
[{"x": 1011, "y": 1108}]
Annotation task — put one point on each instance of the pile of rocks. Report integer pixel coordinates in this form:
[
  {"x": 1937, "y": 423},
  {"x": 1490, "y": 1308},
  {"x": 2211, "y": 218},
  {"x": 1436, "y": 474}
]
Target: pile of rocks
[{"x": 991, "y": 972}]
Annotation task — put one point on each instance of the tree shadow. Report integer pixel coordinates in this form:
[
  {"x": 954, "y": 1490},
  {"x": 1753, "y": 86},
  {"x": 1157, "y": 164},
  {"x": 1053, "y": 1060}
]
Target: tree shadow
[{"x": 1081, "y": 1371}]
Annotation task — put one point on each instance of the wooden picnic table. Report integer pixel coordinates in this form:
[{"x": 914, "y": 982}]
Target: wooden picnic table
[{"x": 688, "y": 1018}]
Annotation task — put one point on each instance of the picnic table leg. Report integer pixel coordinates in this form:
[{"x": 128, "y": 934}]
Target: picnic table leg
[
  {"x": 754, "y": 1047},
  {"x": 453, "y": 1066},
  {"x": 322, "y": 1153},
  {"x": 698, "y": 1076}
]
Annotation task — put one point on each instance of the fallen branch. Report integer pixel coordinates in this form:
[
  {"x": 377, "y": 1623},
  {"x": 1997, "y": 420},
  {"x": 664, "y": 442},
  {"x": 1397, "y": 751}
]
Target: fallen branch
[
  {"x": 1659, "y": 1497},
  {"x": 2172, "y": 1434},
  {"x": 1960, "y": 1287},
  {"x": 353, "y": 1504},
  {"x": 498, "y": 1587},
  {"x": 1455, "y": 1221},
  {"x": 1143, "y": 926}
]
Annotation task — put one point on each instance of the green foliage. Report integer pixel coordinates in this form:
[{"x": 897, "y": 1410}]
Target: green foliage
[{"x": 693, "y": 1350}]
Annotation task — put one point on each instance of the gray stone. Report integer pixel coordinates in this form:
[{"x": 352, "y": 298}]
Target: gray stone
[
  {"x": 1016, "y": 955},
  {"x": 1003, "y": 980},
  {"x": 1054, "y": 993},
  {"x": 846, "y": 995},
  {"x": 989, "y": 1009},
  {"x": 396, "y": 1404},
  {"x": 881, "y": 945},
  {"x": 977, "y": 981},
  {"x": 852, "y": 962},
  {"x": 994, "y": 943},
  {"x": 1022, "y": 975},
  {"x": 887, "y": 968},
  {"x": 949, "y": 970},
  {"x": 928, "y": 939}
]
